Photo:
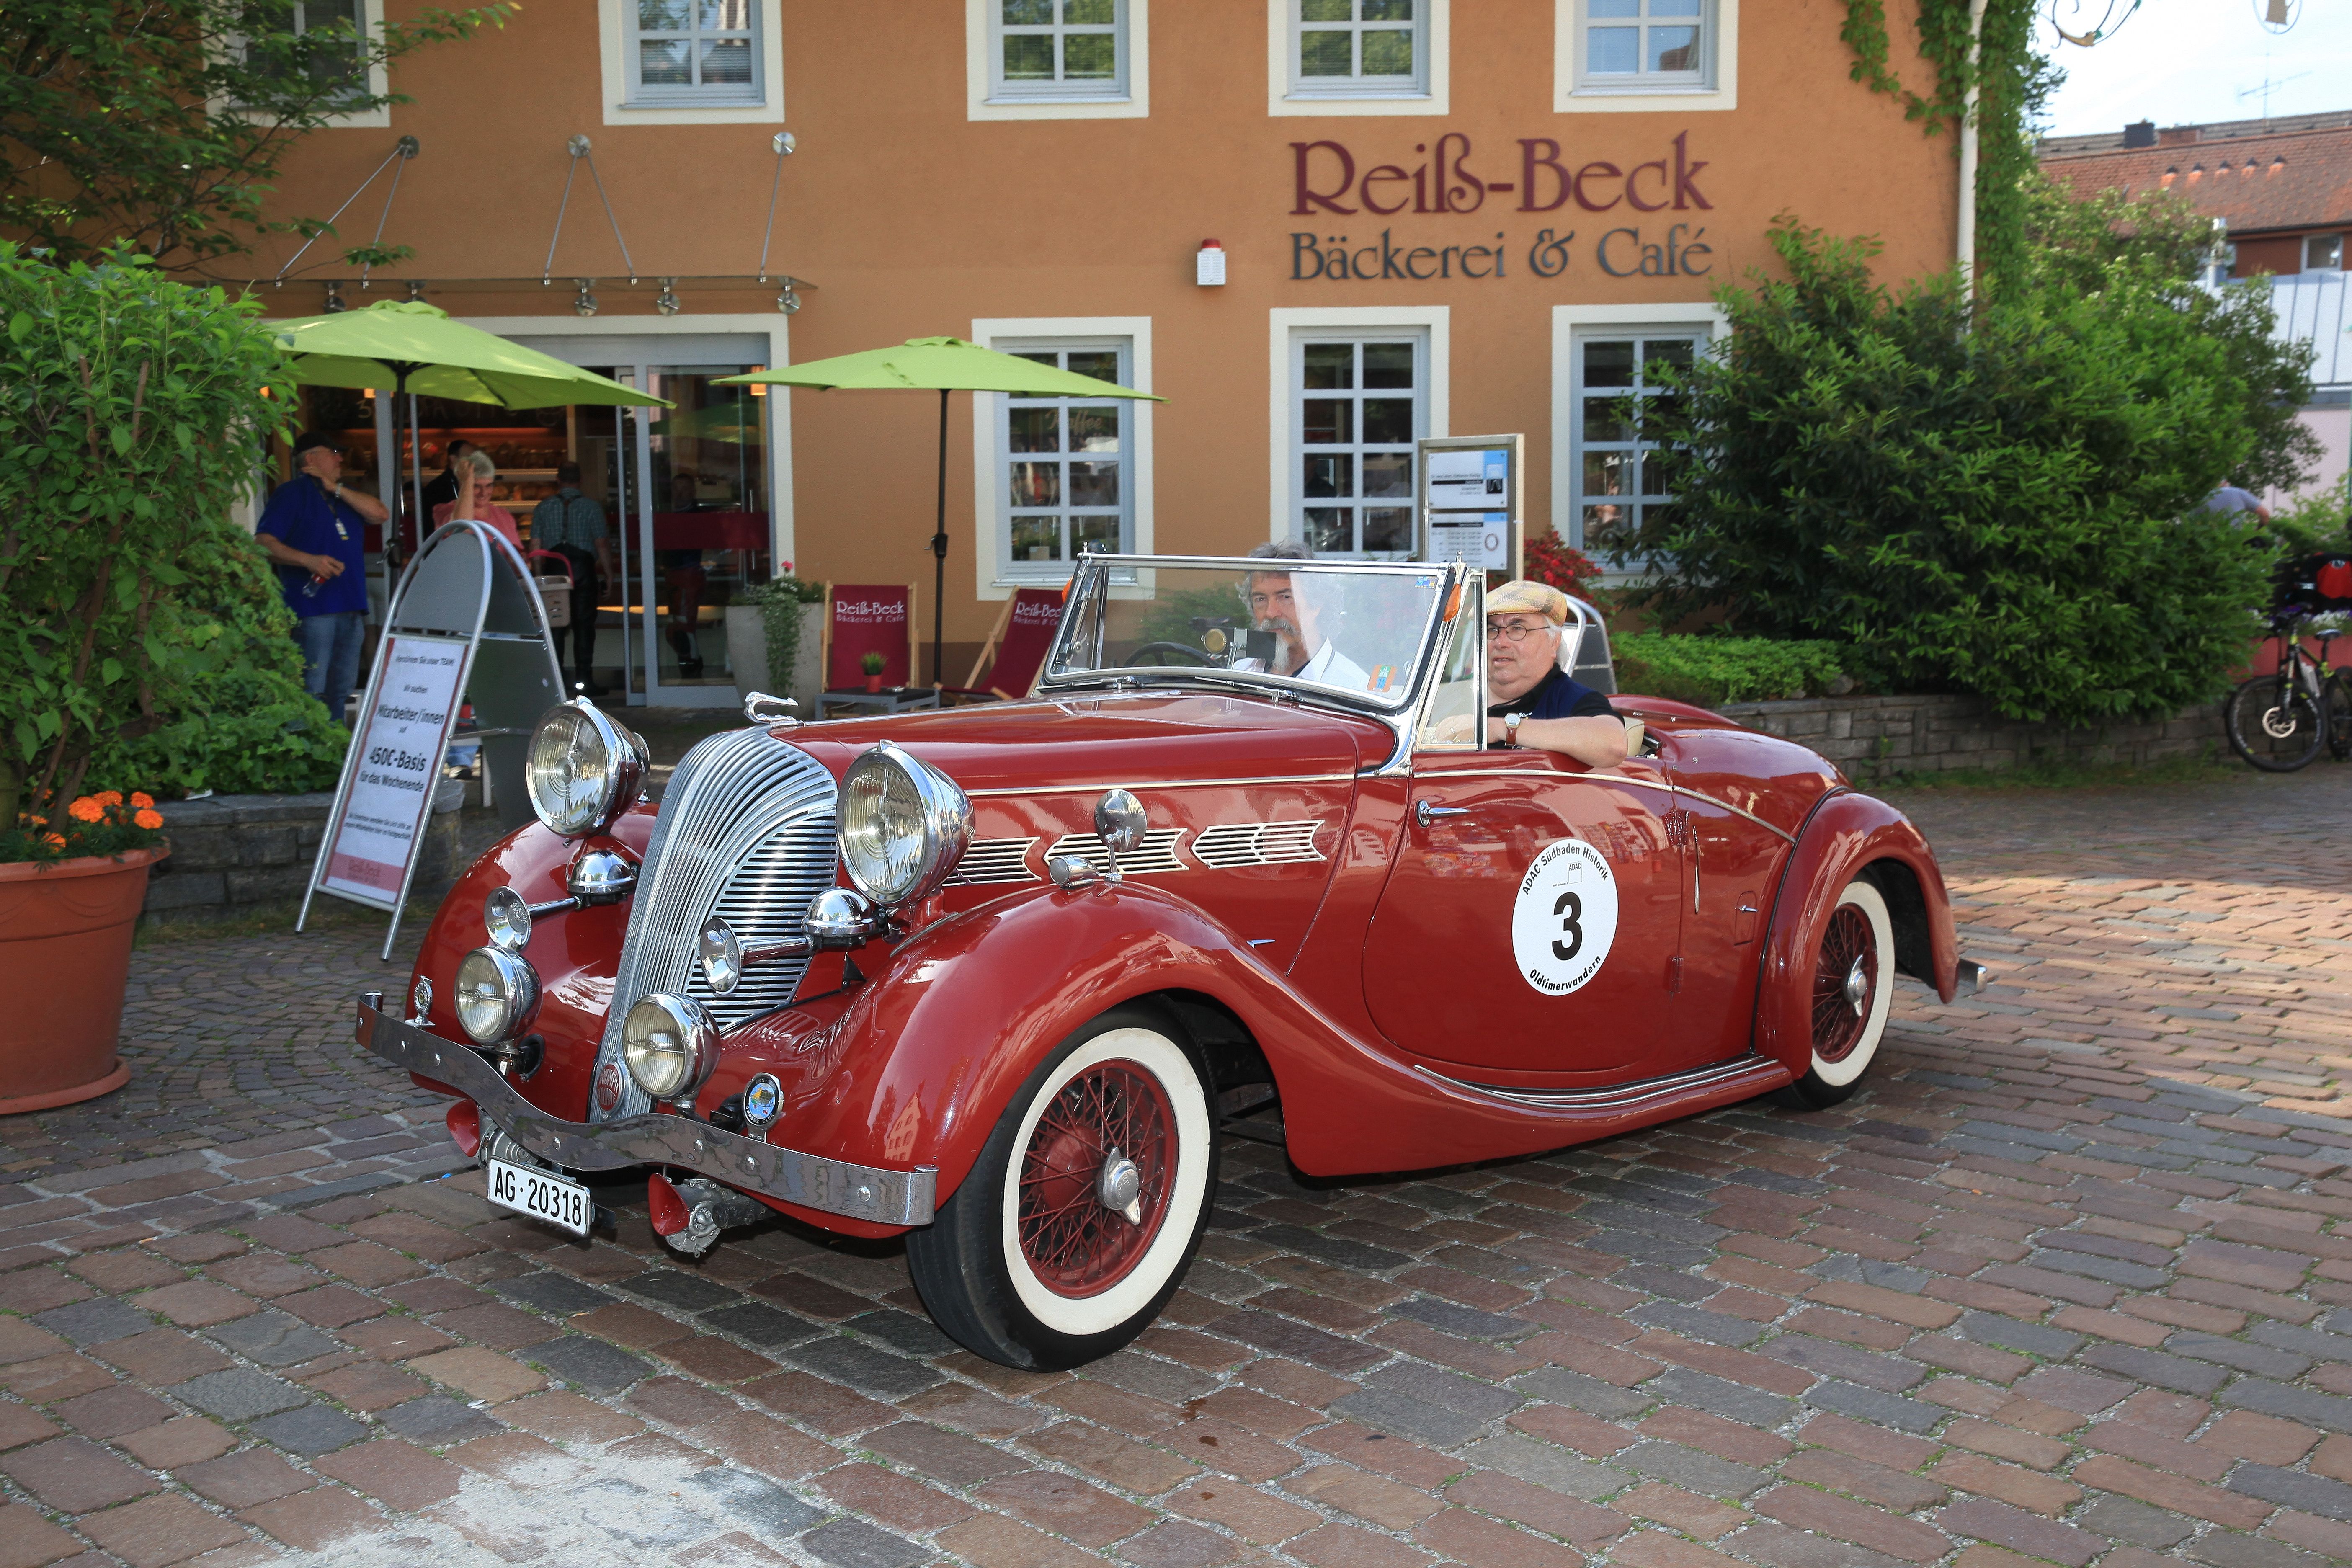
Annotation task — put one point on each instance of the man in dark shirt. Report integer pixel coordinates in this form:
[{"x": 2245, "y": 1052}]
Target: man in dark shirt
[
  {"x": 314, "y": 531},
  {"x": 445, "y": 487},
  {"x": 1535, "y": 702}
]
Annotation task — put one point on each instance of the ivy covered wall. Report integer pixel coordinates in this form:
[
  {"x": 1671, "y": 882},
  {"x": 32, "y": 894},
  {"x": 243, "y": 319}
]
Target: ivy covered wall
[{"x": 2011, "y": 82}]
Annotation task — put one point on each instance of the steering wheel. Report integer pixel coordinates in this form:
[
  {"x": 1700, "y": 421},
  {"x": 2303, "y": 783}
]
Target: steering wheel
[{"x": 1160, "y": 652}]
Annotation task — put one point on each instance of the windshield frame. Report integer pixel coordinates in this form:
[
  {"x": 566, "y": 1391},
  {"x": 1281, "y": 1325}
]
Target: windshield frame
[{"x": 1097, "y": 576}]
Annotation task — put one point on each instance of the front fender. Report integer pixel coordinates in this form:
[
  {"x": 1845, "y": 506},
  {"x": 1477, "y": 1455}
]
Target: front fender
[
  {"x": 926, "y": 1053},
  {"x": 1846, "y": 833}
]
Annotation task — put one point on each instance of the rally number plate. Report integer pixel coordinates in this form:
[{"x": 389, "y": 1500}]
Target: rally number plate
[{"x": 555, "y": 1199}]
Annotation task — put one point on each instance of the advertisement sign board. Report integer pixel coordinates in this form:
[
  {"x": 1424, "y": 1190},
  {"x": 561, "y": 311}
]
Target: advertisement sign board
[
  {"x": 402, "y": 737},
  {"x": 1470, "y": 510}
]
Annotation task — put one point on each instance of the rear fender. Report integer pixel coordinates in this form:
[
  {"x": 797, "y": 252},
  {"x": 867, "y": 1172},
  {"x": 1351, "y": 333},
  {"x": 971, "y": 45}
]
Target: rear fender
[{"x": 1849, "y": 835}]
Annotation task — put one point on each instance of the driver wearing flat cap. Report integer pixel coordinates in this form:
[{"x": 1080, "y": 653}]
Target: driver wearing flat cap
[{"x": 1536, "y": 703}]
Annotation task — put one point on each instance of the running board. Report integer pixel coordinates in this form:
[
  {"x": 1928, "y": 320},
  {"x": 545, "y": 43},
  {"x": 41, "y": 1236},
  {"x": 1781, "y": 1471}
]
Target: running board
[{"x": 1720, "y": 1081}]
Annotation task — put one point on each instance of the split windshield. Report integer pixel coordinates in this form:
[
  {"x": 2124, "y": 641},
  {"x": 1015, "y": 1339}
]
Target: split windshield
[{"x": 1358, "y": 630}]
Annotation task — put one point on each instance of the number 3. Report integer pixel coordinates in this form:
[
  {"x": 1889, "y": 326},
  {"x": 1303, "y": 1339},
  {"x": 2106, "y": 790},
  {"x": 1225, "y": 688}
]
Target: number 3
[{"x": 1571, "y": 908}]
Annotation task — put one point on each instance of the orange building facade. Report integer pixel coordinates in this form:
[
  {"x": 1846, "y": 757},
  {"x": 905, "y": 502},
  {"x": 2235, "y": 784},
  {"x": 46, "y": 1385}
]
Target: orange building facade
[{"x": 1430, "y": 217}]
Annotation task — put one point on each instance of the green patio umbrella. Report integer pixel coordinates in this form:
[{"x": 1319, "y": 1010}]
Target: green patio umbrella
[
  {"x": 941, "y": 365},
  {"x": 408, "y": 346}
]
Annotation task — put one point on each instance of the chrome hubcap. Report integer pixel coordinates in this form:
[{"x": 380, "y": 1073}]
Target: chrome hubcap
[
  {"x": 1121, "y": 1185},
  {"x": 1857, "y": 987}
]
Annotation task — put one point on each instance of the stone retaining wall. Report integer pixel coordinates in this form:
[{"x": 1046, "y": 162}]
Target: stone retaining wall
[
  {"x": 236, "y": 855},
  {"x": 1876, "y": 737}
]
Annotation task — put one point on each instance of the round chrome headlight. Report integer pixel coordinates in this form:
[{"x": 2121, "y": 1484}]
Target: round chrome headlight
[
  {"x": 670, "y": 1044},
  {"x": 508, "y": 919},
  {"x": 904, "y": 826},
  {"x": 583, "y": 769},
  {"x": 498, "y": 992}
]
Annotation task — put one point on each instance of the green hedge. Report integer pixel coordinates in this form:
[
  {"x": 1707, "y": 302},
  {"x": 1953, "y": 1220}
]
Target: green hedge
[{"x": 1714, "y": 670}]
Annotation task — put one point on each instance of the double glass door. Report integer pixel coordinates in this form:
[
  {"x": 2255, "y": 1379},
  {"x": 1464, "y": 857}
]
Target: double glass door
[{"x": 686, "y": 490}]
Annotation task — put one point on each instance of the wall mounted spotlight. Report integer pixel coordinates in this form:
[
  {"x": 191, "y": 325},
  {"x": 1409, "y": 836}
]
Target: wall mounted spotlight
[
  {"x": 666, "y": 300},
  {"x": 585, "y": 304},
  {"x": 789, "y": 301},
  {"x": 336, "y": 304}
]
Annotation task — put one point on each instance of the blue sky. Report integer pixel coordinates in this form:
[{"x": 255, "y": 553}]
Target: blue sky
[{"x": 2187, "y": 61}]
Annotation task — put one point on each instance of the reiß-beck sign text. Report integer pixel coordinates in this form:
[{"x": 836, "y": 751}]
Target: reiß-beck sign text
[{"x": 1328, "y": 183}]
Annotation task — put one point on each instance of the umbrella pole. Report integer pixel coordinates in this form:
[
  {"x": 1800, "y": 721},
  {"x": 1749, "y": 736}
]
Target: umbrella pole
[{"x": 940, "y": 547}]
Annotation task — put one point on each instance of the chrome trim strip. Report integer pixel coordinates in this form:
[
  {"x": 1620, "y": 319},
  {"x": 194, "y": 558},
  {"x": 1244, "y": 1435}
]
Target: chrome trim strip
[
  {"x": 812, "y": 1181},
  {"x": 1167, "y": 784},
  {"x": 1625, "y": 1096},
  {"x": 1440, "y": 776}
]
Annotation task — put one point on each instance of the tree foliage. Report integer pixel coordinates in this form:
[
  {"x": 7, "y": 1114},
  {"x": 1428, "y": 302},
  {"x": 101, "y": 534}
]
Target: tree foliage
[
  {"x": 162, "y": 123},
  {"x": 144, "y": 635},
  {"x": 1999, "y": 498}
]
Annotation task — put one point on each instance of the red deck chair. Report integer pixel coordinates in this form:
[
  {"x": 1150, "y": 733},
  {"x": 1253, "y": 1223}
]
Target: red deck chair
[
  {"x": 861, "y": 618},
  {"x": 1022, "y": 636}
]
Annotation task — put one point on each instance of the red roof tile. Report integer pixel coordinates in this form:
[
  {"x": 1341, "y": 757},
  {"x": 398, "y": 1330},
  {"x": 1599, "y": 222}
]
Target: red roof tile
[{"x": 2252, "y": 182}]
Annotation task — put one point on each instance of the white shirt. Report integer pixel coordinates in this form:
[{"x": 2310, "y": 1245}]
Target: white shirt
[{"x": 1330, "y": 667}]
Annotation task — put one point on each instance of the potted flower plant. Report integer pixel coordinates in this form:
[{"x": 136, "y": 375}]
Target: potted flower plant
[
  {"x": 132, "y": 414},
  {"x": 872, "y": 664},
  {"x": 70, "y": 897}
]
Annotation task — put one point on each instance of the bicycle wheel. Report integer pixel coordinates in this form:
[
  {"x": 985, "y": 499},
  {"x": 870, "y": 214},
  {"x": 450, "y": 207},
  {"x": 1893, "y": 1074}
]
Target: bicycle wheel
[
  {"x": 2336, "y": 695},
  {"x": 2274, "y": 724}
]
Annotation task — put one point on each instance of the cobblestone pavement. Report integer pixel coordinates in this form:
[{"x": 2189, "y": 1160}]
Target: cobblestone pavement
[{"x": 2064, "y": 1285}]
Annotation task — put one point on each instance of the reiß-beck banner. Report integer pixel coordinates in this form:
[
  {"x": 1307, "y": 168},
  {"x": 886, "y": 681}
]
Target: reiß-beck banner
[{"x": 402, "y": 740}]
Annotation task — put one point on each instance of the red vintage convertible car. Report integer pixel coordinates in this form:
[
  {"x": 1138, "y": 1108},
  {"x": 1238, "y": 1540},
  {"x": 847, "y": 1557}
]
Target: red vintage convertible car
[{"x": 998, "y": 977}]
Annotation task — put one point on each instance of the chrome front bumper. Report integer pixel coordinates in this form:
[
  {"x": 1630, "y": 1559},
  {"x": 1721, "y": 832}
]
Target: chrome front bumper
[{"x": 810, "y": 1181}]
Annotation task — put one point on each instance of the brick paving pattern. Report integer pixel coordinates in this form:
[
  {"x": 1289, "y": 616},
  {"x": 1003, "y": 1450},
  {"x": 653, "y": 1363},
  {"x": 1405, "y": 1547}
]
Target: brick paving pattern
[{"x": 2064, "y": 1286}]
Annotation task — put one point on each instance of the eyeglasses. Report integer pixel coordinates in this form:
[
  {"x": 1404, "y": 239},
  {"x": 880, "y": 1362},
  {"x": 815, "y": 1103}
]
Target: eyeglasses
[{"x": 1515, "y": 631}]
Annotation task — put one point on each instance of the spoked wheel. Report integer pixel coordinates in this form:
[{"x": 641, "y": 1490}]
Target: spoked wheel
[
  {"x": 2274, "y": 724},
  {"x": 1852, "y": 990},
  {"x": 1085, "y": 1206}
]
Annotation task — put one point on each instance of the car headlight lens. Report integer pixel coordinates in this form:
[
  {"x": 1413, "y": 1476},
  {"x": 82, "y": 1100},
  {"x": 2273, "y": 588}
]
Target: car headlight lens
[
  {"x": 904, "y": 826},
  {"x": 669, "y": 1044},
  {"x": 583, "y": 769},
  {"x": 498, "y": 992}
]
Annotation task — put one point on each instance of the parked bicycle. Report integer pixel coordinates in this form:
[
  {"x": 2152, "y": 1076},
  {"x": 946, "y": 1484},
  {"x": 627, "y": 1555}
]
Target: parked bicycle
[{"x": 2279, "y": 723}]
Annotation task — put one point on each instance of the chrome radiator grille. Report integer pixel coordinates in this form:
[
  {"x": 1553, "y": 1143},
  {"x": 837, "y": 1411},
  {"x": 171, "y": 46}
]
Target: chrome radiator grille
[{"x": 746, "y": 830}]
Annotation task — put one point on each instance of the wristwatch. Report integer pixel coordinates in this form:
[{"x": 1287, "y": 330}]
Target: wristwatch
[{"x": 1511, "y": 727}]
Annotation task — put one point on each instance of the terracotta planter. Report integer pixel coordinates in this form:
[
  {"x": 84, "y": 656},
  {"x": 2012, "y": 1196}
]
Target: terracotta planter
[
  {"x": 65, "y": 956},
  {"x": 873, "y": 683}
]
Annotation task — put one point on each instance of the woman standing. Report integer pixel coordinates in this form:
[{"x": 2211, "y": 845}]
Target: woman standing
[{"x": 475, "y": 472}]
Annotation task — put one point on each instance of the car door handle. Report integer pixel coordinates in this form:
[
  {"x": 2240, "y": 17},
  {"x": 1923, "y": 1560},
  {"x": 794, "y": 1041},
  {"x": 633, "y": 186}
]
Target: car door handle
[{"x": 1427, "y": 815}]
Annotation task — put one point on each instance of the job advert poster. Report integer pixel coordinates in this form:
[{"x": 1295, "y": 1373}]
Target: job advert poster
[{"x": 401, "y": 744}]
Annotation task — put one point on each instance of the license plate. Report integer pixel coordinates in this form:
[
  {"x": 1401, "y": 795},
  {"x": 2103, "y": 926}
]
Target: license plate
[{"x": 555, "y": 1199}]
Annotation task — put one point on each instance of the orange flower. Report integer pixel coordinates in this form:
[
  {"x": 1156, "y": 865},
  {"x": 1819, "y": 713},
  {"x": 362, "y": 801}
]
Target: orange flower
[
  {"x": 112, "y": 797},
  {"x": 55, "y": 841},
  {"x": 86, "y": 810},
  {"x": 149, "y": 818},
  {"x": 37, "y": 819},
  {"x": 141, "y": 799}
]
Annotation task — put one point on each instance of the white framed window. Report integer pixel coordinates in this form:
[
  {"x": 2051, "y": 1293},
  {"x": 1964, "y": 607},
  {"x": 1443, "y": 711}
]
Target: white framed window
[
  {"x": 2323, "y": 253},
  {"x": 301, "y": 17},
  {"x": 1356, "y": 57},
  {"x": 1626, "y": 56},
  {"x": 694, "y": 52},
  {"x": 1361, "y": 400},
  {"x": 1056, "y": 60},
  {"x": 1058, "y": 476},
  {"x": 1063, "y": 465},
  {"x": 690, "y": 62},
  {"x": 1056, "y": 48},
  {"x": 1349, "y": 392},
  {"x": 1610, "y": 474}
]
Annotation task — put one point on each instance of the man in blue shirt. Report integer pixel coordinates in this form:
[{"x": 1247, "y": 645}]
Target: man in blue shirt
[
  {"x": 1533, "y": 700},
  {"x": 315, "y": 532}
]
